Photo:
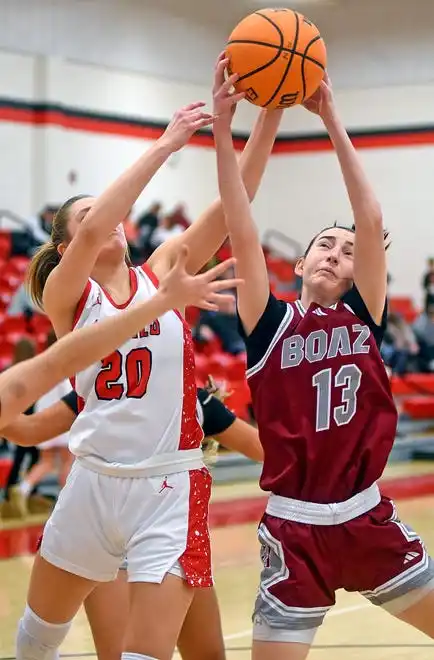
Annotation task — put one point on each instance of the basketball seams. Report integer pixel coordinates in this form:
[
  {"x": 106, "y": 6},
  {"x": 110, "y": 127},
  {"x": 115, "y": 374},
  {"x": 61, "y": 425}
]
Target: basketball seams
[
  {"x": 304, "y": 58},
  {"x": 289, "y": 63},
  {"x": 274, "y": 59},
  {"x": 276, "y": 27},
  {"x": 260, "y": 68},
  {"x": 284, "y": 50}
]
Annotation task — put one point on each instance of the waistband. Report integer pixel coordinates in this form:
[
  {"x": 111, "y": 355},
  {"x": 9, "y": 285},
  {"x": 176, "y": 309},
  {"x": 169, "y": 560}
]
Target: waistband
[
  {"x": 310, "y": 513},
  {"x": 155, "y": 466}
]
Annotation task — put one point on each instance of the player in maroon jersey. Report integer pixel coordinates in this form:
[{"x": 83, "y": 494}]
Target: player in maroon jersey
[{"x": 325, "y": 415}]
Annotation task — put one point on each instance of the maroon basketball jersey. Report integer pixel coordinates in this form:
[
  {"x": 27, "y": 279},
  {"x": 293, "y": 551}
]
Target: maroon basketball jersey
[{"x": 322, "y": 400}]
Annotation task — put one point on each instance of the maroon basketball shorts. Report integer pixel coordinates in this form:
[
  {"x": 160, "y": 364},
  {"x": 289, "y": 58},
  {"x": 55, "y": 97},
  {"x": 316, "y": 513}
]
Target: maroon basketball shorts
[{"x": 311, "y": 550}]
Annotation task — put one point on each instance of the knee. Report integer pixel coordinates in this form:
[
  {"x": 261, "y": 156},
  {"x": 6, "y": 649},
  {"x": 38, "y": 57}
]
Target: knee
[{"x": 37, "y": 639}]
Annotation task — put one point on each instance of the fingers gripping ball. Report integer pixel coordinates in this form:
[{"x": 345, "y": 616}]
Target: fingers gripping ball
[{"x": 279, "y": 55}]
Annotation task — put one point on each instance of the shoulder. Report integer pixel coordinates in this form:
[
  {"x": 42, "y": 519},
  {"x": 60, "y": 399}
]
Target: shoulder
[
  {"x": 355, "y": 302},
  {"x": 277, "y": 316}
]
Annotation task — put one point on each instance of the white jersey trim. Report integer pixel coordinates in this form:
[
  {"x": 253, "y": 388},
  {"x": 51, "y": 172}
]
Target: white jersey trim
[{"x": 280, "y": 330}]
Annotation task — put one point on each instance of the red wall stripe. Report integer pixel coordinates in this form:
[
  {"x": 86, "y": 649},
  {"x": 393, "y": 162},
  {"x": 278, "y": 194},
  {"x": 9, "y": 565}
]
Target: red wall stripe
[{"x": 21, "y": 113}]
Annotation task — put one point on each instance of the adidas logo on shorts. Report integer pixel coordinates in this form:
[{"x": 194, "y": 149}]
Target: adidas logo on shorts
[{"x": 410, "y": 556}]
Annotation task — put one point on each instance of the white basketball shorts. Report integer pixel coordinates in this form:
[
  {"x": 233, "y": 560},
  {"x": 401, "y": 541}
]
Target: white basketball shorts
[{"x": 155, "y": 521}]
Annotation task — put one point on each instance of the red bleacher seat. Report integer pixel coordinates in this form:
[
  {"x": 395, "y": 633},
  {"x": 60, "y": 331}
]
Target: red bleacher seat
[
  {"x": 420, "y": 383},
  {"x": 19, "y": 263},
  {"x": 5, "y": 244},
  {"x": 419, "y": 407},
  {"x": 5, "y": 468},
  {"x": 404, "y": 306},
  {"x": 202, "y": 371},
  {"x": 239, "y": 399},
  {"x": 13, "y": 328},
  {"x": 6, "y": 354},
  {"x": 229, "y": 367},
  {"x": 40, "y": 326}
]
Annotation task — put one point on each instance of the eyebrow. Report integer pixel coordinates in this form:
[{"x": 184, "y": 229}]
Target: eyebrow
[{"x": 333, "y": 240}]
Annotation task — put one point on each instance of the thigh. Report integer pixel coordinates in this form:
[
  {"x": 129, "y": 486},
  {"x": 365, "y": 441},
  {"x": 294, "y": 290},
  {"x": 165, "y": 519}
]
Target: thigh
[
  {"x": 388, "y": 560},
  {"x": 201, "y": 636},
  {"x": 54, "y": 594},
  {"x": 157, "y": 612},
  {"x": 297, "y": 583},
  {"x": 81, "y": 535},
  {"x": 107, "y": 610},
  {"x": 170, "y": 527}
]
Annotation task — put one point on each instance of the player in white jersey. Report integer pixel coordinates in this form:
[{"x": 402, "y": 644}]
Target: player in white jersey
[
  {"x": 26, "y": 382},
  {"x": 107, "y": 606},
  {"x": 139, "y": 487}
]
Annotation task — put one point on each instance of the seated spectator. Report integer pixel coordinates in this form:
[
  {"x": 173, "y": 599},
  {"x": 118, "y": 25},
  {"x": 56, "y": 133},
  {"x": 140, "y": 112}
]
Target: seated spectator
[
  {"x": 168, "y": 228},
  {"x": 21, "y": 303},
  {"x": 39, "y": 226},
  {"x": 428, "y": 284},
  {"x": 223, "y": 323},
  {"x": 146, "y": 225},
  {"x": 400, "y": 347},
  {"x": 423, "y": 328}
]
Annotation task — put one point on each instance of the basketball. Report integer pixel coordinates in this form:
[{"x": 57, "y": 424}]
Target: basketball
[{"x": 279, "y": 55}]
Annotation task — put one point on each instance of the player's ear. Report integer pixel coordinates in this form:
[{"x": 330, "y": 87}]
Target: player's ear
[{"x": 299, "y": 267}]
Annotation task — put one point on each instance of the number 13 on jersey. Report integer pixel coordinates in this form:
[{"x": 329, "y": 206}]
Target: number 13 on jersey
[
  {"x": 137, "y": 367},
  {"x": 347, "y": 379}
]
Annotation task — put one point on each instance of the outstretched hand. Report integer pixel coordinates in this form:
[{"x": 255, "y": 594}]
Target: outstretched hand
[
  {"x": 225, "y": 99},
  {"x": 185, "y": 123},
  {"x": 182, "y": 289},
  {"x": 322, "y": 101}
]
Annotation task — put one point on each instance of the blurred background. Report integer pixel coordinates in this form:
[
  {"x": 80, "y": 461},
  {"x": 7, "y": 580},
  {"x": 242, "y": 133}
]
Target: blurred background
[{"x": 87, "y": 85}]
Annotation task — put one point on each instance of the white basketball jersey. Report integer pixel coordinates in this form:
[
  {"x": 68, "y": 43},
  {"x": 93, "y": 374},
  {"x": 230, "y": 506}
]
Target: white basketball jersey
[{"x": 139, "y": 402}]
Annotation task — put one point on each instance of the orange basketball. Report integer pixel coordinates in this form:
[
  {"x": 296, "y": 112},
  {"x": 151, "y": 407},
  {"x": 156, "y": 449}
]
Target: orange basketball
[{"x": 279, "y": 55}]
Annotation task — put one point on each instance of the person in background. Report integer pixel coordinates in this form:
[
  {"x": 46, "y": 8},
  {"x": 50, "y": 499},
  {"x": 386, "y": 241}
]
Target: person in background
[
  {"x": 146, "y": 225},
  {"x": 428, "y": 284},
  {"x": 167, "y": 228},
  {"x": 12, "y": 505},
  {"x": 54, "y": 455},
  {"x": 399, "y": 345},
  {"x": 423, "y": 328}
]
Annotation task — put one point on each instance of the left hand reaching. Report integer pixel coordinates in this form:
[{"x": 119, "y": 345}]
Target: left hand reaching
[{"x": 225, "y": 100}]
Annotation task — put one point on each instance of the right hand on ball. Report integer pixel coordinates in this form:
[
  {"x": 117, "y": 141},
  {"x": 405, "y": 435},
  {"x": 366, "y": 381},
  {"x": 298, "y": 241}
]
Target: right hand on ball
[
  {"x": 225, "y": 99},
  {"x": 181, "y": 289},
  {"x": 322, "y": 101},
  {"x": 184, "y": 124}
]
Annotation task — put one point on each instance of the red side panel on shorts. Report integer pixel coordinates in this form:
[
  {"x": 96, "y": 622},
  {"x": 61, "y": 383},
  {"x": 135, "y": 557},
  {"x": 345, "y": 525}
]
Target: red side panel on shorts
[
  {"x": 191, "y": 430},
  {"x": 196, "y": 560}
]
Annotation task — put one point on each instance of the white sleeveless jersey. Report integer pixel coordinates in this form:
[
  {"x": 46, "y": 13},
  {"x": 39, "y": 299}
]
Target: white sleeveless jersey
[{"x": 139, "y": 404}]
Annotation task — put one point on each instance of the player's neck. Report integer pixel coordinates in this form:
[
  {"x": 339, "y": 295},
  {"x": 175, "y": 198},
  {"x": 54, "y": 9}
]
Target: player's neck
[
  {"x": 309, "y": 297},
  {"x": 114, "y": 278}
]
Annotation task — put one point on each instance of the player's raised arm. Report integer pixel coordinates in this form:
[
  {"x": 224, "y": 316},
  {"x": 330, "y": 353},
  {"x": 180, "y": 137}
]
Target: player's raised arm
[
  {"x": 26, "y": 382},
  {"x": 370, "y": 269},
  {"x": 246, "y": 246},
  {"x": 65, "y": 278},
  {"x": 208, "y": 232}
]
